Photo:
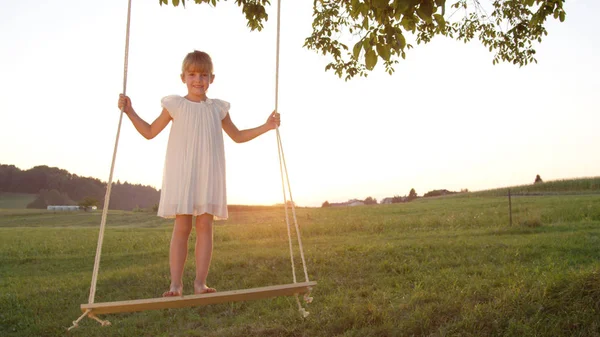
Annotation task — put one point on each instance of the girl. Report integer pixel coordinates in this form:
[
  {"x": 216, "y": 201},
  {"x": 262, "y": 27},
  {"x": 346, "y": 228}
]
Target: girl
[{"x": 194, "y": 171}]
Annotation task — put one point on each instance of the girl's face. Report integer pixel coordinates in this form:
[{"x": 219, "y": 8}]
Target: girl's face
[{"x": 197, "y": 81}]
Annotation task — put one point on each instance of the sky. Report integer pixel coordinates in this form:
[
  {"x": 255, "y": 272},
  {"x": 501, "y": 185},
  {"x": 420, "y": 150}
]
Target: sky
[{"x": 446, "y": 119}]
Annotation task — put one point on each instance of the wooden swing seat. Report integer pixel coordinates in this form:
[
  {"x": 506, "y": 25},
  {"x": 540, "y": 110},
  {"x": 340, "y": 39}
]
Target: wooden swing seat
[{"x": 196, "y": 300}]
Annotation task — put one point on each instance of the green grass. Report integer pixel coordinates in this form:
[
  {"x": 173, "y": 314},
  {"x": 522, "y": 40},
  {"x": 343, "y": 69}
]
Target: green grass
[
  {"x": 15, "y": 200},
  {"x": 434, "y": 267}
]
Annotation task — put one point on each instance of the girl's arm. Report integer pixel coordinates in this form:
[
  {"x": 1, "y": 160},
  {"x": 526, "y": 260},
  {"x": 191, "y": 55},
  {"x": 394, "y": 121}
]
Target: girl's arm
[
  {"x": 245, "y": 135},
  {"x": 149, "y": 131}
]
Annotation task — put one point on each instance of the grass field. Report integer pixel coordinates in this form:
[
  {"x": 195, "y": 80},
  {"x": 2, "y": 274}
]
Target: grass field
[{"x": 449, "y": 266}]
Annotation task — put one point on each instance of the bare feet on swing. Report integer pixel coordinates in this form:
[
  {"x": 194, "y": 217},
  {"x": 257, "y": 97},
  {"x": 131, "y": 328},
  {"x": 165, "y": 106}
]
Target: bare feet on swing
[
  {"x": 173, "y": 292},
  {"x": 201, "y": 288}
]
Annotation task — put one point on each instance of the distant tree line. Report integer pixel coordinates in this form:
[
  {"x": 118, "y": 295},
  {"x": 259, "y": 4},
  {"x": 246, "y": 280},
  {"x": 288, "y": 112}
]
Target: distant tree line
[
  {"x": 438, "y": 193},
  {"x": 54, "y": 185},
  {"x": 412, "y": 195},
  {"x": 52, "y": 197},
  {"x": 372, "y": 201}
]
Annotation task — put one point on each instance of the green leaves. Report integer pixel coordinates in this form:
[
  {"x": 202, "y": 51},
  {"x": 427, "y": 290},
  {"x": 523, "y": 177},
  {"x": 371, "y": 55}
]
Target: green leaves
[
  {"x": 425, "y": 11},
  {"x": 401, "y": 40},
  {"x": 402, "y": 6},
  {"x": 439, "y": 19},
  {"x": 175, "y": 2},
  {"x": 253, "y": 10},
  {"x": 370, "y": 59},
  {"x": 384, "y": 51},
  {"x": 356, "y": 50},
  {"x": 378, "y": 28},
  {"x": 380, "y": 3}
]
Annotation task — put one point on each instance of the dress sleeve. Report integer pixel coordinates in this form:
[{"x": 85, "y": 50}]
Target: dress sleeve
[
  {"x": 223, "y": 108},
  {"x": 171, "y": 103}
]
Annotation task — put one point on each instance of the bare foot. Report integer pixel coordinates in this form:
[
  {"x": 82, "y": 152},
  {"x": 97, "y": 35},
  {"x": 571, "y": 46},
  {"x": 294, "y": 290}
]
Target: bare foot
[
  {"x": 206, "y": 290},
  {"x": 173, "y": 292},
  {"x": 200, "y": 288}
]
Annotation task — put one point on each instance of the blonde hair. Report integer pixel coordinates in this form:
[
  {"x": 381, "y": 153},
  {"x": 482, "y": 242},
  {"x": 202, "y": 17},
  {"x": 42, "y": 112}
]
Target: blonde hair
[{"x": 197, "y": 61}]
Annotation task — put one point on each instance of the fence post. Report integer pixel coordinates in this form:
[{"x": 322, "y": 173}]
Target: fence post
[{"x": 509, "y": 207}]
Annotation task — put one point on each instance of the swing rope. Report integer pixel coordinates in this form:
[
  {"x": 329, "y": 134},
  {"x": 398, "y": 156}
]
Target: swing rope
[
  {"x": 282, "y": 168},
  {"x": 112, "y": 169},
  {"x": 285, "y": 179},
  {"x": 108, "y": 188}
]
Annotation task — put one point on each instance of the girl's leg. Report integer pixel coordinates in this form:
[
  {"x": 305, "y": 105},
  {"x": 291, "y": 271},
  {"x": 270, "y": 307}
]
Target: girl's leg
[
  {"x": 204, "y": 246},
  {"x": 178, "y": 253}
]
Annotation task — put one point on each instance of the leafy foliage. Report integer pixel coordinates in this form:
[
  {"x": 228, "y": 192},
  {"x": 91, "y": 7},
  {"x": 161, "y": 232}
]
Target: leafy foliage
[
  {"x": 88, "y": 202},
  {"x": 253, "y": 10},
  {"x": 438, "y": 193},
  {"x": 397, "y": 199},
  {"x": 378, "y": 30},
  {"x": 412, "y": 195}
]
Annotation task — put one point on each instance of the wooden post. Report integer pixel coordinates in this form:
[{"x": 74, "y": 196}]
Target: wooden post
[{"x": 509, "y": 207}]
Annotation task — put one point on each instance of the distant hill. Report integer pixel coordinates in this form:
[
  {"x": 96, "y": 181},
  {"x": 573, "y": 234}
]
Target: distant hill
[
  {"x": 563, "y": 186},
  {"x": 124, "y": 196}
]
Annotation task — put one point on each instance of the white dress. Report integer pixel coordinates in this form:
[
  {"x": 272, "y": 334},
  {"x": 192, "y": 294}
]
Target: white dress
[{"x": 194, "y": 171}]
